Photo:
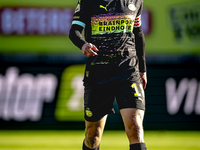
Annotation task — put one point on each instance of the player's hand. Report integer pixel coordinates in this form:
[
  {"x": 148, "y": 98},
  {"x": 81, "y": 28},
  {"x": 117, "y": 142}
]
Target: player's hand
[
  {"x": 89, "y": 49},
  {"x": 144, "y": 79}
]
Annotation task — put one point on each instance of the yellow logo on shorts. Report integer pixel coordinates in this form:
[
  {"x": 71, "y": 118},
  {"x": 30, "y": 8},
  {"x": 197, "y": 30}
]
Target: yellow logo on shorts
[
  {"x": 87, "y": 73},
  {"x": 88, "y": 113}
]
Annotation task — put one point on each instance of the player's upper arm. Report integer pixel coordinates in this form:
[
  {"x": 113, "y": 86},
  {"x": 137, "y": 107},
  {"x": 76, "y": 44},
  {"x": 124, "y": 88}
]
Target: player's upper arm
[
  {"x": 81, "y": 13},
  {"x": 138, "y": 21}
]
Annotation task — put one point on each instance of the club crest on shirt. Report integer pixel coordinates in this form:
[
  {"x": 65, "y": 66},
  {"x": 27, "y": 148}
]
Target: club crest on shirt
[{"x": 132, "y": 7}]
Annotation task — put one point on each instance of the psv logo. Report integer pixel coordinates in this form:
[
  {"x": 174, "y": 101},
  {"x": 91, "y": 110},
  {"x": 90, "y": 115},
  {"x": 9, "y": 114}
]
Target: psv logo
[{"x": 132, "y": 7}]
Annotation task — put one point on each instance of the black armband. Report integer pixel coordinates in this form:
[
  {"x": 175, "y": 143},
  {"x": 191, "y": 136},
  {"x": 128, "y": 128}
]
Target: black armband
[
  {"x": 76, "y": 36},
  {"x": 140, "y": 48}
]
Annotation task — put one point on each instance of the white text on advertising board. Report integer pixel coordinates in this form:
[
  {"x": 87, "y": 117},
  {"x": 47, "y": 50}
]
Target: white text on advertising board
[
  {"x": 46, "y": 21},
  {"x": 22, "y": 97},
  {"x": 40, "y": 21},
  {"x": 188, "y": 89}
]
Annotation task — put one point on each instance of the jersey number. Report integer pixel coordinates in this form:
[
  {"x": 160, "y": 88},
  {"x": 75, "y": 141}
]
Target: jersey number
[{"x": 137, "y": 94}]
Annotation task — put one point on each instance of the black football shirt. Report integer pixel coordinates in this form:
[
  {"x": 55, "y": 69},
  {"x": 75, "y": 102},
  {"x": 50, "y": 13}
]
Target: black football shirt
[{"x": 109, "y": 26}]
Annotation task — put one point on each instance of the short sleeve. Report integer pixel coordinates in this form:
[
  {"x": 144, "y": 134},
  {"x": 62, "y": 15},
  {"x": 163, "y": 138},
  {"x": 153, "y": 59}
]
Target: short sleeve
[
  {"x": 81, "y": 13},
  {"x": 138, "y": 21}
]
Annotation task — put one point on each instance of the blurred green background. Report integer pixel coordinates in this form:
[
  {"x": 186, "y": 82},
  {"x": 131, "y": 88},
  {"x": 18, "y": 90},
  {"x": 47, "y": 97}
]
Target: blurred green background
[{"x": 173, "y": 29}]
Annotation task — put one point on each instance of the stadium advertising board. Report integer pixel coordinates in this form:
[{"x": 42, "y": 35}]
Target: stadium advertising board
[
  {"x": 22, "y": 95},
  {"x": 41, "y": 70},
  {"x": 188, "y": 88},
  {"x": 173, "y": 96},
  {"x": 41, "y": 29},
  {"x": 175, "y": 27},
  {"x": 69, "y": 106},
  {"x": 54, "y": 96},
  {"x": 171, "y": 27},
  {"x": 35, "y": 21}
]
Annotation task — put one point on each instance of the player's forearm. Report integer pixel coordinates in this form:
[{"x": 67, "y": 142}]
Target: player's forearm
[
  {"x": 76, "y": 36},
  {"x": 140, "y": 48}
]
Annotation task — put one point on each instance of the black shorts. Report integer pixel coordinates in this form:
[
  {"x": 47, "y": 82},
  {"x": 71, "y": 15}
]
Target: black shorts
[{"x": 98, "y": 99}]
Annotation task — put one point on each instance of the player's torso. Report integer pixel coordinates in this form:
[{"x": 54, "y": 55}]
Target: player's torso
[
  {"x": 112, "y": 23},
  {"x": 111, "y": 31}
]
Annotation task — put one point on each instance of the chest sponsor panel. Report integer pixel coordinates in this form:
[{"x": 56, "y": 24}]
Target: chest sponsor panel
[{"x": 107, "y": 24}]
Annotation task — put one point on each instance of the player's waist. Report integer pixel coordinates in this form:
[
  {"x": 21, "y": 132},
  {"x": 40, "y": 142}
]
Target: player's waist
[{"x": 112, "y": 59}]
